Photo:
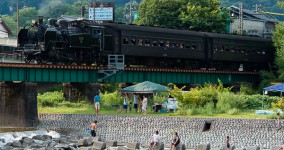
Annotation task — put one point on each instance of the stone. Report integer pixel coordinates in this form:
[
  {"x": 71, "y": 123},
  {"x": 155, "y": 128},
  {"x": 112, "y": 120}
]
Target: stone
[
  {"x": 85, "y": 142},
  {"x": 253, "y": 148},
  {"x": 111, "y": 144},
  {"x": 159, "y": 146},
  {"x": 203, "y": 147},
  {"x": 46, "y": 137},
  {"x": 64, "y": 146},
  {"x": 99, "y": 145},
  {"x": 133, "y": 145},
  {"x": 37, "y": 137},
  {"x": 180, "y": 146},
  {"x": 28, "y": 140},
  {"x": 16, "y": 144}
]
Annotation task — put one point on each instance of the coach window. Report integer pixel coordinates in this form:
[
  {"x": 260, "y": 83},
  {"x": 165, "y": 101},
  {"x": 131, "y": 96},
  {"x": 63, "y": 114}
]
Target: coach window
[
  {"x": 253, "y": 51},
  {"x": 193, "y": 46},
  {"x": 154, "y": 43},
  {"x": 125, "y": 41},
  {"x": 187, "y": 46},
  {"x": 161, "y": 44},
  {"x": 147, "y": 42},
  {"x": 168, "y": 44},
  {"x": 133, "y": 41},
  {"x": 258, "y": 51},
  {"x": 140, "y": 42},
  {"x": 173, "y": 45},
  {"x": 243, "y": 50},
  {"x": 238, "y": 50},
  {"x": 181, "y": 45},
  {"x": 222, "y": 48},
  {"x": 263, "y": 52}
]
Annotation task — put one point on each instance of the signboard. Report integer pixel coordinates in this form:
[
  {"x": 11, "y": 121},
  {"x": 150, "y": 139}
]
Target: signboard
[{"x": 101, "y": 13}]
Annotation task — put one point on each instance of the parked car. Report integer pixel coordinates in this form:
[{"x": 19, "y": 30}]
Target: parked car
[{"x": 172, "y": 104}]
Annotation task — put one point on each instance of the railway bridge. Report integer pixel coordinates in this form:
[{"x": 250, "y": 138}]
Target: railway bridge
[{"x": 18, "y": 89}]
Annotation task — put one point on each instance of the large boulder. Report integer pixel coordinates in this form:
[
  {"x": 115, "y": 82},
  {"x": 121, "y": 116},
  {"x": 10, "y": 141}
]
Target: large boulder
[
  {"x": 16, "y": 144},
  {"x": 99, "y": 145},
  {"x": 85, "y": 142}
]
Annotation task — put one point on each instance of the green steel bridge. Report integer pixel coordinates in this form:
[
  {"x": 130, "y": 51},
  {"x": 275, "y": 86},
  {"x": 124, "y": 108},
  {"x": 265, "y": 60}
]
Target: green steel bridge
[{"x": 89, "y": 74}]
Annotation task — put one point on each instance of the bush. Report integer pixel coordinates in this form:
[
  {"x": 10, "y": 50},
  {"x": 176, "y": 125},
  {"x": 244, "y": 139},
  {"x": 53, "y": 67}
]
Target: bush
[
  {"x": 110, "y": 99},
  {"x": 255, "y": 101},
  {"x": 50, "y": 99},
  {"x": 279, "y": 104},
  {"x": 233, "y": 111},
  {"x": 228, "y": 100}
]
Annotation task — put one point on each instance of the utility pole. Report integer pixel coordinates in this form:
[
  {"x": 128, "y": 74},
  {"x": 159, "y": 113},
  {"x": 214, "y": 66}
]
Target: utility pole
[
  {"x": 241, "y": 17},
  {"x": 130, "y": 12}
]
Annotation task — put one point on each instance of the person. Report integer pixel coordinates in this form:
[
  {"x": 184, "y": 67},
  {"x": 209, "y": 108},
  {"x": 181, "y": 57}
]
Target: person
[
  {"x": 228, "y": 142},
  {"x": 97, "y": 102},
  {"x": 144, "y": 104},
  {"x": 125, "y": 103},
  {"x": 155, "y": 139},
  {"x": 278, "y": 121},
  {"x": 175, "y": 142},
  {"x": 140, "y": 103},
  {"x": 130, "y": 106},
  {"x": 93, "y": 127},
  {"x": 135, "y": 101}
]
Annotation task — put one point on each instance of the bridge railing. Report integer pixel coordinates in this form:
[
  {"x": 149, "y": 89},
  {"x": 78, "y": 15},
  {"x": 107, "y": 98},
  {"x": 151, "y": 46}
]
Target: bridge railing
[{"x": 8, "y": 41}]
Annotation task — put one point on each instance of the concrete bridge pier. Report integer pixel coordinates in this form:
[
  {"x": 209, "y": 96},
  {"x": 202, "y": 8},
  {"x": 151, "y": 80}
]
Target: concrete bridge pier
[
  {"x": 18, "y": 104},
  {"x": 75, "y": 92}
]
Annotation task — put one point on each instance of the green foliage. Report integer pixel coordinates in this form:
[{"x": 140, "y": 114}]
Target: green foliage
[
  {"x": 278, "y": 104},
  {"x": 266, "y": 78},
  {"x": 204, "y": 15},
  {"x": 247, "y": 89},
  {"x": 50, "y": 99},
  {"x": 255, "y": 101},
  {"x": 160, "y": 97},
  {"x": 228, "y": 100},
  {"x": 160, "y": 13},
  {"x": 233, "y": 111},
  {"x": 278, "y": 41},
  {"x": 109, "y": 99},
  {"x": 11, "y": 23}
]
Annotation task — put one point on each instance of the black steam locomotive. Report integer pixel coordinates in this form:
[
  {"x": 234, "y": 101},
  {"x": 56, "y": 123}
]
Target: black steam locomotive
[{"x": 83, "y": 41}]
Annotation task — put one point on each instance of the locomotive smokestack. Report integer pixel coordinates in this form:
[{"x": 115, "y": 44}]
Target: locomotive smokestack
[{"x": 40, "y": 20}]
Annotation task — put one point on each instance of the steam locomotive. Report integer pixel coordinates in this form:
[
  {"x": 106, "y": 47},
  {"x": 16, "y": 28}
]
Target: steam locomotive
[{"x": 83, "y": 41}]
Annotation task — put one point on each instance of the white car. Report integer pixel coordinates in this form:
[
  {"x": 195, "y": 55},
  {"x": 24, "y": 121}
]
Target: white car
[{"x": 172, "y": 104}]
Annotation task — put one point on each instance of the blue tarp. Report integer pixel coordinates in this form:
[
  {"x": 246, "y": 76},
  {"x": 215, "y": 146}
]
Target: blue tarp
[{"x": 275, "y": 88}]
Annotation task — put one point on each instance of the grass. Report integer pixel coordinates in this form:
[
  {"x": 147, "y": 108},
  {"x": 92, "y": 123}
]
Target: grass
[{"x": 248, "y": 114}]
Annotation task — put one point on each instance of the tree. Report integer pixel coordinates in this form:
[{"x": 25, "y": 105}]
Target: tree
[
  {"x": 278, "y": 41},
  {"x": 11, "y": 23},
  {"x": 198, "y": 15},
  {"x": 53, "y": 9},
  {"x": 26, "y": 15},
  {"x": 160, "y": 13},
  {"x": 204, "y": 15}
]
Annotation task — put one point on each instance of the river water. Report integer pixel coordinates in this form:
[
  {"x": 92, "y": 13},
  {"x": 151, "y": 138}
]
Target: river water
[{"x": 11, "y": 134}]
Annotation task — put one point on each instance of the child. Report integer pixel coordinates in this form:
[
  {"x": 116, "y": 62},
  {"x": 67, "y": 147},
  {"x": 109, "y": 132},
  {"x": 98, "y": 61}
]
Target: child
[{"x": 228, "y": 142}]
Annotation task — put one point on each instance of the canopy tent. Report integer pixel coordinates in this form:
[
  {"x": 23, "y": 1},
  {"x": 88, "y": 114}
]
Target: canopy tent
[
  {"x": 146, "y": 87},
  {"x": 273, "y": 88}
]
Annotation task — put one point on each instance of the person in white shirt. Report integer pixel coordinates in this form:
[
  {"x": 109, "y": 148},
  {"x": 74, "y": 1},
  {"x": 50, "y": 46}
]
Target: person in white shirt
[
  {"x": 155, "y": 140},
  {"x": 135, "y": 101},
  {"x": 144, "y": 104}
]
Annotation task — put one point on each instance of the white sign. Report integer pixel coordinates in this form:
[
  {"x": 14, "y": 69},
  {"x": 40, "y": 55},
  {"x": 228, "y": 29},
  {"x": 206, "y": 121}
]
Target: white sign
[{"x": 101, "y": 14}]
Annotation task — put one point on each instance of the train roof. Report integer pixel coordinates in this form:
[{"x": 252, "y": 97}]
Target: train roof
[
  {"x": 236, "y": 37},
  {"x": 127, "y": 27}
]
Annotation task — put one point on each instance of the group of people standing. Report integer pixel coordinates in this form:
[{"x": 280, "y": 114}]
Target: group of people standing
[{"x": 140, "y": 105}]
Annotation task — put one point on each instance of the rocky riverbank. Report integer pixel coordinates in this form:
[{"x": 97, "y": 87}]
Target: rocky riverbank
[
  {"x": 70, "y": 132},
  {"x": 193, "y": 131}
]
